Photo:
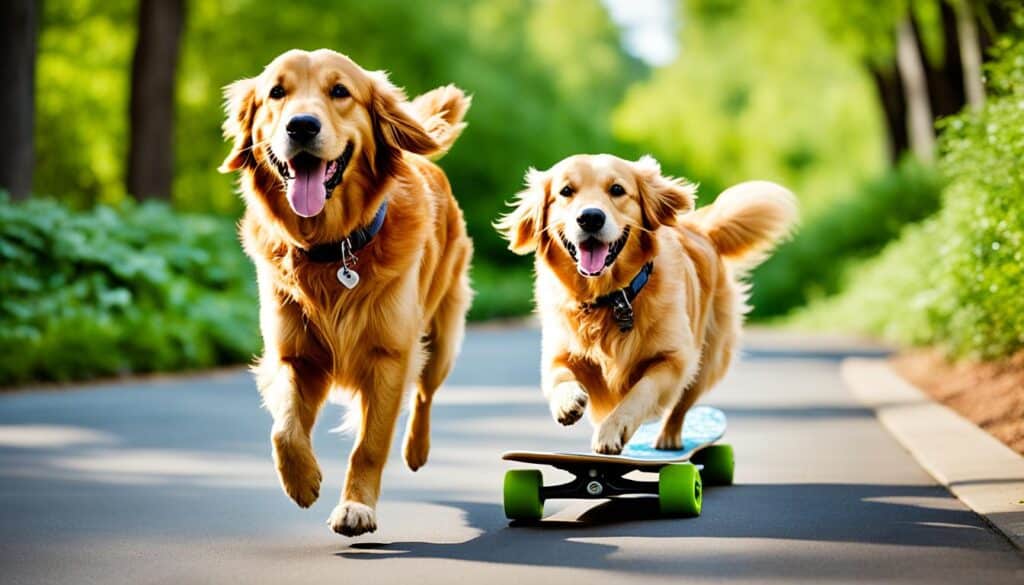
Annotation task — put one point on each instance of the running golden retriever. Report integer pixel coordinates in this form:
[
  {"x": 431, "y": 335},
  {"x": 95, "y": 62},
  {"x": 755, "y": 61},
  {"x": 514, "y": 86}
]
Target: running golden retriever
[
  {"x": 361, "y": 255},
  {"x": 640, "y": 299}
]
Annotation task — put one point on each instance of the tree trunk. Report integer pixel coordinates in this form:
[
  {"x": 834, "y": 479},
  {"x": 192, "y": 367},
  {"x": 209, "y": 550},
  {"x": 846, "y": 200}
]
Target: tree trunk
[
  {"x": 945, "y": 80},
  {"x": 915, "y": 90},
  {"x": 154, "y": 67},
  {"x": 18, "y": 29},
  {"x": 890, "y": 96},
  {"x": 970, "y": 53}
]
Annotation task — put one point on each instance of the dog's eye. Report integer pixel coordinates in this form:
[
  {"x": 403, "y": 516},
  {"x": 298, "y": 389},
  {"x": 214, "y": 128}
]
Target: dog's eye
[
  {"x": 276, "y": 92},
  {"x": 617, "y": 190},
  {"x": 566, "y": 191},
  {"x": 339, "y": 91}
]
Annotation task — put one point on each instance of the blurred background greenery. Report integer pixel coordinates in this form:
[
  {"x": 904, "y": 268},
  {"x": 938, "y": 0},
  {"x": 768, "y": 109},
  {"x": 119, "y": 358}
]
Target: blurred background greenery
[{"x": 111, "y": 266}]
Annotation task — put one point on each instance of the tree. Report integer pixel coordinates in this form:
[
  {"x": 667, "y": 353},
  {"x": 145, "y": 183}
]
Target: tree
[
  {"x": 915, "y": 91},
  {"x": 18, "y": 29},
  {"x": 970, "y": 53},
  {"x": 925, "y": 57},
  {"x": 154, "y": 68}
]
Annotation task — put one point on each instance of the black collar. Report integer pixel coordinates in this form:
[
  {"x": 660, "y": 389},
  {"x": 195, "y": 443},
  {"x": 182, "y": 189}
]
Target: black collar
[
  {"x": 350, "y": 244},
  {"x": 621, "y": 301}
]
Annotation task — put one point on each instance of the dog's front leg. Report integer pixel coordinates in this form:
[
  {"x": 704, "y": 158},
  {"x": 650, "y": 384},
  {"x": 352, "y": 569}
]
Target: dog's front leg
[
  {"x": 386, "y": 376},
  {"x": 294, "y": 385},
  {"x": 293, "y": 391},
  {"x": 658, "y": 389},
  {"x": 566, "y": 397}
]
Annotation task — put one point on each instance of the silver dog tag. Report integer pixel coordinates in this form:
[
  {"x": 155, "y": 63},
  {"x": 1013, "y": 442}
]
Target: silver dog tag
[{"x": 348, "y": 277}]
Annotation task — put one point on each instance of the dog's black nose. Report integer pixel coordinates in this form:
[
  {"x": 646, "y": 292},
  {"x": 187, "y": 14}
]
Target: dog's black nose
[
  {"x": 591, "y": 219},
  {"x": 303, "y": 128}
]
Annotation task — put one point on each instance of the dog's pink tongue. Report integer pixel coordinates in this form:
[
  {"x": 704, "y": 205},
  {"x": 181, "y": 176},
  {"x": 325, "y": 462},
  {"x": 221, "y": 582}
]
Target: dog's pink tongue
[
  {"x": 592, "y": 256},
  {"x": 306, "y": 192}
]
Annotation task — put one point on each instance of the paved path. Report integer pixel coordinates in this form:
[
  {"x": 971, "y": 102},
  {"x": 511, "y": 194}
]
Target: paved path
[{"x": 170, "y": 481}]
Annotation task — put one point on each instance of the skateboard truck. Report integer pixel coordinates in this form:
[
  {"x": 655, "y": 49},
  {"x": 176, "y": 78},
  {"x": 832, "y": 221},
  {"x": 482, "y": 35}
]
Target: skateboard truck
[{"x": 595, "y": 483}]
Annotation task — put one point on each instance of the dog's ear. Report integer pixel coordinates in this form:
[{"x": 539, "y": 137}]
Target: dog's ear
[
  {"x": 393, "y": 125},
  {"x": 661, "y": 198},
  {"x": 240, "y": 106},
  {"x": 523, "y": 225}
]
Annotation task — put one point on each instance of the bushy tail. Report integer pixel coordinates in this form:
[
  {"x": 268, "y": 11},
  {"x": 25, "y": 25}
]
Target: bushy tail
[
  {"x": 441, "y": 113},
  {"x": 747, "y": 220}
]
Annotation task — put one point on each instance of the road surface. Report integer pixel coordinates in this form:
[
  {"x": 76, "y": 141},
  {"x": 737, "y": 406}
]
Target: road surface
[{"x": 170, "y": 481}]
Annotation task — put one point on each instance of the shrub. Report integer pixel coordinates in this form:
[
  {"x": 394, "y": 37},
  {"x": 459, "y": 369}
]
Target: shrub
[
  {"x": 109, "y": 291},
  {"x": 501, "y": 291},
  {"x": 955, "y": 280},
  {"x": 853, "y": 228}
]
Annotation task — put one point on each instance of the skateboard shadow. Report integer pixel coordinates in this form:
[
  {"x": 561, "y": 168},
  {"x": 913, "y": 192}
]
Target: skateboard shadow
[{"x": 809, "y": 513}]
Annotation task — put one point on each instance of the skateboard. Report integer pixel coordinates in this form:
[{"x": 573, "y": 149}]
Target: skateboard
[{"x": 681, "y": 473}]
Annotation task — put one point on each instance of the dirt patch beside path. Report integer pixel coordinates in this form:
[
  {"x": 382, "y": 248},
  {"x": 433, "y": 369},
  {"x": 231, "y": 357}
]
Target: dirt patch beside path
[{"x": 989, "y": 394}]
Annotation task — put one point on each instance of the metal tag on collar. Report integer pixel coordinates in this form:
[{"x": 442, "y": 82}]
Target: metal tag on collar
[
  {"x": 348, "y": 277},
  {"x": 622, "y": 311}
]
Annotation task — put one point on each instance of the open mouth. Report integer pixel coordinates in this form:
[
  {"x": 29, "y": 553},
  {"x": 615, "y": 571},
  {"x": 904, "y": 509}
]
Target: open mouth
[
  {"x": 310, "y": 180},
  {"x": 592, "y": 255}
]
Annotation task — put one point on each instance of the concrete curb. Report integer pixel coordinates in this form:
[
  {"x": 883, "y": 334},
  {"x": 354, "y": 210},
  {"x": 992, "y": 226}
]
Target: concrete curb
[{"x": 982, "y": 472}]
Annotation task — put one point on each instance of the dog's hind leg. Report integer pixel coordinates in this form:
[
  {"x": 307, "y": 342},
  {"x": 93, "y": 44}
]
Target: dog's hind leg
[
  {"x": 671, "y": 435},
  {"x": 293, "y": 391},
  {"x": 660, "y": 386},
  {"x": 442, "y": 347}
]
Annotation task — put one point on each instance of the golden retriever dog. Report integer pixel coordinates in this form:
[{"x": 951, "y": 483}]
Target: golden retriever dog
[
  {"x": 361, "y": 256},
  {"x": 639, "y": 297}
]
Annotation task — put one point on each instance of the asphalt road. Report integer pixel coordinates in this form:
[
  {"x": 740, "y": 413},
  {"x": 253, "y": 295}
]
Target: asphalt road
[{"x": 170, "y": 481}]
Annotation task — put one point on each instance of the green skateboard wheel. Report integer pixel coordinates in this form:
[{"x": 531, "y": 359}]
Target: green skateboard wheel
[
  {"x": 718, "y": 464},
  {"x": 679, "y": 490},
  {"x": 522, "y": 494}
]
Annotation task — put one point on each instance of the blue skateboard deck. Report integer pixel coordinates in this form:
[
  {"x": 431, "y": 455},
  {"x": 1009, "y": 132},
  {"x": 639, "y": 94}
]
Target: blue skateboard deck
[{"x": 704, "y": 425}]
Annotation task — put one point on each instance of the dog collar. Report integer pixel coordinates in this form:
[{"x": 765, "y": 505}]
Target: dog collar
[
  {"x": 350, "y": 244},
  {"x": 621, "y": 301}
]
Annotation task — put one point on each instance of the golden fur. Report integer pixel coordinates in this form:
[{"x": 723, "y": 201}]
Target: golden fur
[
  {"x": 687, "y": 318},
  {"x": 403, "y": 324}
]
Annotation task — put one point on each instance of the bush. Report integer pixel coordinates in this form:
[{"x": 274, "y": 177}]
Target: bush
[
  {"x": 109, "y": 291},
  {"x": 141, "y": 288},
  {"x": 501, "y": 291},
  {"x": 848, "y": 231},
  {"x": 955, "y": 280}
]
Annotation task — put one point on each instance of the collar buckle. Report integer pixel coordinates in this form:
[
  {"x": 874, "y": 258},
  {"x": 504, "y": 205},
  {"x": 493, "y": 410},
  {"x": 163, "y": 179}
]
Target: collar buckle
[{"x": 622, "y": 311}]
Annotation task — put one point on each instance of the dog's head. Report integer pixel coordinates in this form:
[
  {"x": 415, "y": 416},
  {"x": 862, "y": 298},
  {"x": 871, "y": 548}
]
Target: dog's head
[
  {"x": 308, "y": 116},
  {"x": 595, "y": 208}
]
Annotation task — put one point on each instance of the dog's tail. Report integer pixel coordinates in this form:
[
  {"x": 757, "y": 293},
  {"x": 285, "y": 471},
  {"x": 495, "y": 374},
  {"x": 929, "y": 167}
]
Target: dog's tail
[
  {"x": 441, "y": 112},
  {"x": 747, "y": 220}
]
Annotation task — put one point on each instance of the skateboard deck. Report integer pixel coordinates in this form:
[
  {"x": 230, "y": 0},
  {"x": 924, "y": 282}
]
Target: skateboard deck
[
  {"x": 679, "y": 487},
  {"x": 704, "y": 425}
]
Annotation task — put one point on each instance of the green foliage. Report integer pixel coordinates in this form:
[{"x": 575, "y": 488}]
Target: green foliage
[
  {"x": 114, "y": 290},
  {"x": 746, "y": 100},
  {"x": 501, "y": 291},
  {"x": 849, "y": 230},
  {"x": 544, "y": 77},
  {"x": 955, "y": 280},
  {"x": 85, "y": 51}
]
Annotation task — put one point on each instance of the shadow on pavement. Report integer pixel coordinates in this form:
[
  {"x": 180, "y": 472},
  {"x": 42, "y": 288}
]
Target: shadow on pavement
[{"x": 839, "y": 513}]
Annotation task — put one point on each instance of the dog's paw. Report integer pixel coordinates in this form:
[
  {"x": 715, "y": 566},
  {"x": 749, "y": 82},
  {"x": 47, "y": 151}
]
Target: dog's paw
[
  {"x": 669, "y": 441},
  {"x": 297, "y": 469},
  {"x": 610, "y": 437},
  {"x": 352, "y": 519},
  {"x": 416, "y": 450},
  {"x": 568, "y": 402}
]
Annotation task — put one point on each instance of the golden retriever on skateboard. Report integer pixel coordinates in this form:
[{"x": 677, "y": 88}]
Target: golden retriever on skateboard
[
  {"x": 361, "y": 255},
  {"x": 639, "y": 296}
]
